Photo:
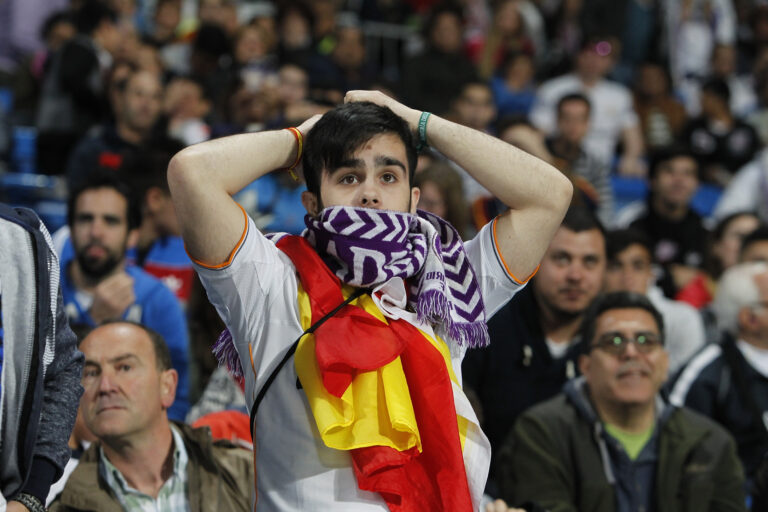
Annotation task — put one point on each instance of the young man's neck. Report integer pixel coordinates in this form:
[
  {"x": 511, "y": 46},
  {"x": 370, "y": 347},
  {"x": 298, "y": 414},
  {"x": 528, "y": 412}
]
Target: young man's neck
[
  {"x": 756, "y": 341},
  {"x": 145, "y": 461},
  {"x": 556, "y": 326},
  {"x": 669, "y": 210},
  {"x": 128, "y": 134},
  {"x": 566, "y": 149},
  {"x": 633, "y": 418},
  {"x": 85, "y": 283},
  {"x": 147, "y": 235}
]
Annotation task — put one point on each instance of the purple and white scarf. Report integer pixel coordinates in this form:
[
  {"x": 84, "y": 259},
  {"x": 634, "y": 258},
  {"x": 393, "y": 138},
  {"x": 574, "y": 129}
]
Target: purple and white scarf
[{"x": 367, "y": 247}]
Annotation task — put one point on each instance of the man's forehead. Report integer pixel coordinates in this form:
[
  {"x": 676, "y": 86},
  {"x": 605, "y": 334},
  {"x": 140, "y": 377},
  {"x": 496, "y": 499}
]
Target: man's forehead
[
  {"x": 634, "y": 251},
  {"x": 101, "y": 200},
  {"x": 111, "y": 340},
  {"x": 625, "y": 319},
  {"x": 578, "y": 242}
]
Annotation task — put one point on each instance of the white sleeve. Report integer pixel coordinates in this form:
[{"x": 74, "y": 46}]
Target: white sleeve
[
  {"x": 497, "y": 284},
  {"x": 629, "y": 117},
  {"x": 255, "y": 293},
  {"x": 743, "y": 192}
]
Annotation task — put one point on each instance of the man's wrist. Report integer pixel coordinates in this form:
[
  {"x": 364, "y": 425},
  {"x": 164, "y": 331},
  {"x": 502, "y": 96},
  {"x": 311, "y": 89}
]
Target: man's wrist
[{"x": 30, "y": 502}]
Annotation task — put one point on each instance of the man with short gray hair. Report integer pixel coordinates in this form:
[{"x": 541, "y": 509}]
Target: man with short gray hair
[{"x": 728, "y": 381}]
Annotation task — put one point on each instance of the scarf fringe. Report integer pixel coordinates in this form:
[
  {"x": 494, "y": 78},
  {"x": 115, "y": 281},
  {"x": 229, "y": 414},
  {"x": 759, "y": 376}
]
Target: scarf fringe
[{"x": 226, "y": 354}]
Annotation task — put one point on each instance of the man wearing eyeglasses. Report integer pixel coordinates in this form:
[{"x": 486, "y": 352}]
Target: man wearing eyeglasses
[
  {"x": 610, "y": 442},
  {"x": 728, "y": 381}
]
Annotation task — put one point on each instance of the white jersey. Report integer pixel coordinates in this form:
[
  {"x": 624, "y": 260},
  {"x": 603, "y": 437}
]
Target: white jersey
[{"x": 256, "y": 293}]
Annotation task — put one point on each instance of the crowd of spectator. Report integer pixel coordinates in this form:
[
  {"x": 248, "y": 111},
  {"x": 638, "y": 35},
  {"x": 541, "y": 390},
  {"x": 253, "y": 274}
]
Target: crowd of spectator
[{"x": 656, "y": 111}]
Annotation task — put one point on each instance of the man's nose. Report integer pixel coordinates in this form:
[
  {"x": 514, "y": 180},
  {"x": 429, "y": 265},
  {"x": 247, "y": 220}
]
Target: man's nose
[{"x": 369, "y": 197}]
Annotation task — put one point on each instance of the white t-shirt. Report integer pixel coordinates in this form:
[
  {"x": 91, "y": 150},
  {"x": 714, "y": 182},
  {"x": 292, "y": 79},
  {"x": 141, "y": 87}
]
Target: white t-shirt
[
  {"x": 256, "y": 293},
  {"x": 612, "y": 111}
]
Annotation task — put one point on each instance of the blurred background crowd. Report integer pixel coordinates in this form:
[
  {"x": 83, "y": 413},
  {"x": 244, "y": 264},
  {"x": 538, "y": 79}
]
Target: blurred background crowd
[{"x": 656, "y": 110}]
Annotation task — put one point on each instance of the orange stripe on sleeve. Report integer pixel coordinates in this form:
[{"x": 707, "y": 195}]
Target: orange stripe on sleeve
[
  {"x": 231, "y": 254},
  {"x": 501, "y": 257}
]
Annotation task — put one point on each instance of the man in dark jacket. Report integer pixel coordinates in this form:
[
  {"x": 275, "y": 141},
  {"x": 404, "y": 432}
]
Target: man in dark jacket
[
  {"x": 533, "y": 346},
  {"x": 610, "y": 443},
  {"x": 142, "y": 460},
  {"x": 39, "y": 361}
]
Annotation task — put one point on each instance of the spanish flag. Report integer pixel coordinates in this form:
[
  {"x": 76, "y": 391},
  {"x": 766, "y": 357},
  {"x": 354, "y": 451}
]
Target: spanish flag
[{"x": 382, "y": 390}]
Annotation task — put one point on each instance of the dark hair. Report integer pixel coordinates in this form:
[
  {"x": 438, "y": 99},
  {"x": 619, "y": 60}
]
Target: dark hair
[
  {"x": 63, "y": 16},
  {"x": 212, "y": 41},
  {"x": 576, "y": 96},
  {"x": 760, "y": 234},
  {"x": 667, "y": 153},
  {"x": 148, "y": 168},
  {"x": 717, "y": 87},
  {"x": 341, "y": 131},
  {"x": 91, "y": 14},
  {"x": 442, "y": 8},
  {"x": 159, "y": 346},
  {"x": 615, "y": 300},
  {"x": 579, "y": 218},
  {"x": 512, "y": 120},
  {"x": 619, "y": 240},
  {"x": 719, "y": 231},
  {"x": 101, "y": 178}
]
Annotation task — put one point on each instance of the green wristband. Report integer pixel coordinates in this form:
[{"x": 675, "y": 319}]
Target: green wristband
[{"x": 423, "y": 131}]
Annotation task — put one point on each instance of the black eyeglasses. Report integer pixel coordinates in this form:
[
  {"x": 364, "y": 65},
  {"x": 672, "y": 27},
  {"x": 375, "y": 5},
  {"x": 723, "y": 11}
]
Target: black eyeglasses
[{"x": 615, "y": 343}]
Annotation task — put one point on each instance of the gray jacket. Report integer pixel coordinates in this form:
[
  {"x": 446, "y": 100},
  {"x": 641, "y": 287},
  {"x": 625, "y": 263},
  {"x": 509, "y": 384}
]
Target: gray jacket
[{"x": 41, "y": 364}]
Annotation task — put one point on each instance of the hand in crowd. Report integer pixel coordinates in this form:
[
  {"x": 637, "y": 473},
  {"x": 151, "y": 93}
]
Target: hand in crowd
[
  {"x": 15, "y": 506},
  {"x": 501, "y": 506},
  {"x": 632, "y": 167},
  {"x": 112, "y": 297},
  {"x": 412, "y": 116}
]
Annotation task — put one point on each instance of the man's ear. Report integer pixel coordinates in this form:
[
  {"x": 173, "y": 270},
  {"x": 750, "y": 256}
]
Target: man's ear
[
  {"x": 168, "y": 381},
  {"x": 133, "y": 238},
  {"x": 746, "y": 319},
  {"x": 415, "y": 195},
  {"x": 153, "y": 197},
  {"x": 310, "y": 202},
  {"x": 584, "y": 364}
]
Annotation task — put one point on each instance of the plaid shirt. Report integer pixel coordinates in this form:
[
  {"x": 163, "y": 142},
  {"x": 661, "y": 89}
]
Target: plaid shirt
[{"x": 173, "y": 494}]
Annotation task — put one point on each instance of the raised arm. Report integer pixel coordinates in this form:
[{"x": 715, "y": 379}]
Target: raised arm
[
  {"x": 203, "y": 177},
  {"x": 536, "y": 193}
]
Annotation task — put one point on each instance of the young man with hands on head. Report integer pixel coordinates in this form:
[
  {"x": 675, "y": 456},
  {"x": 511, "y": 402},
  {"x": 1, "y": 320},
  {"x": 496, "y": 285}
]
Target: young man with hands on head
[{"x": 377, "y": 419}]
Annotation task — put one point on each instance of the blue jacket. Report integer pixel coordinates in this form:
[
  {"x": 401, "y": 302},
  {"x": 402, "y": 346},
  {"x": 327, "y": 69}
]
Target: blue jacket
[
  {"x": 41, "y": 367},
  {"x": 157, "y": 308}
]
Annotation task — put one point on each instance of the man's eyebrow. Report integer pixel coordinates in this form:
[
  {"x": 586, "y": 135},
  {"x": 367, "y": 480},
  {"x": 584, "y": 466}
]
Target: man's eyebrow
[
  {"x": 383, "y": 161},
  {"x": 354, "y": 163},
  {"x": 122, "y": 357}
]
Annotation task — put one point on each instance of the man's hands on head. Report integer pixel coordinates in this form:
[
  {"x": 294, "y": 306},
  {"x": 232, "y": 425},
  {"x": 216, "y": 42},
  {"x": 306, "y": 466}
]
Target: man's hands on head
[
  {"x": 112, "y": 297},
  {"x": 410, "y": 115}
]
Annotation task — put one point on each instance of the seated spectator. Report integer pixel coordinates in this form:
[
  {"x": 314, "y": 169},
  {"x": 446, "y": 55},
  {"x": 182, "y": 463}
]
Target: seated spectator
[
  {"x": 474, "y": 106},
  {"x": 441, "y": 194},
  {"x": 612, "y": 117},
  {"x": 728, "y": 381},
  {"x": 345, "y": 69},
  {"x": 676, "y": 231},
  {"x": 662, "y": 116},
  {"x": 137, "y": 109},
  {"x": 748, "y": 189},
  {"x": 256, "y": 66},
  {"x": 514, "y": 90},
  {"x": 97, "y": 283},
  {"x": 507, "y": 34},
  {"x": 754, "y": 247},
  {"x": 443, "y": 62},
  {"x": 186, "y": 107},
  {"x": 630, "y": 269},
  {"x": 610, "y": 442},
  {"x": 39, "y": 364},
  {"x": 724, "y": 66},
  {"x": 141, "y": 459},
  {"x": 573, "y": 159},
  {"x": 72, "y": 99},
  {"x": 533, "y": 337},
  {"x": 727, "y": 238},
  {"x": 721, "y": 142}
]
